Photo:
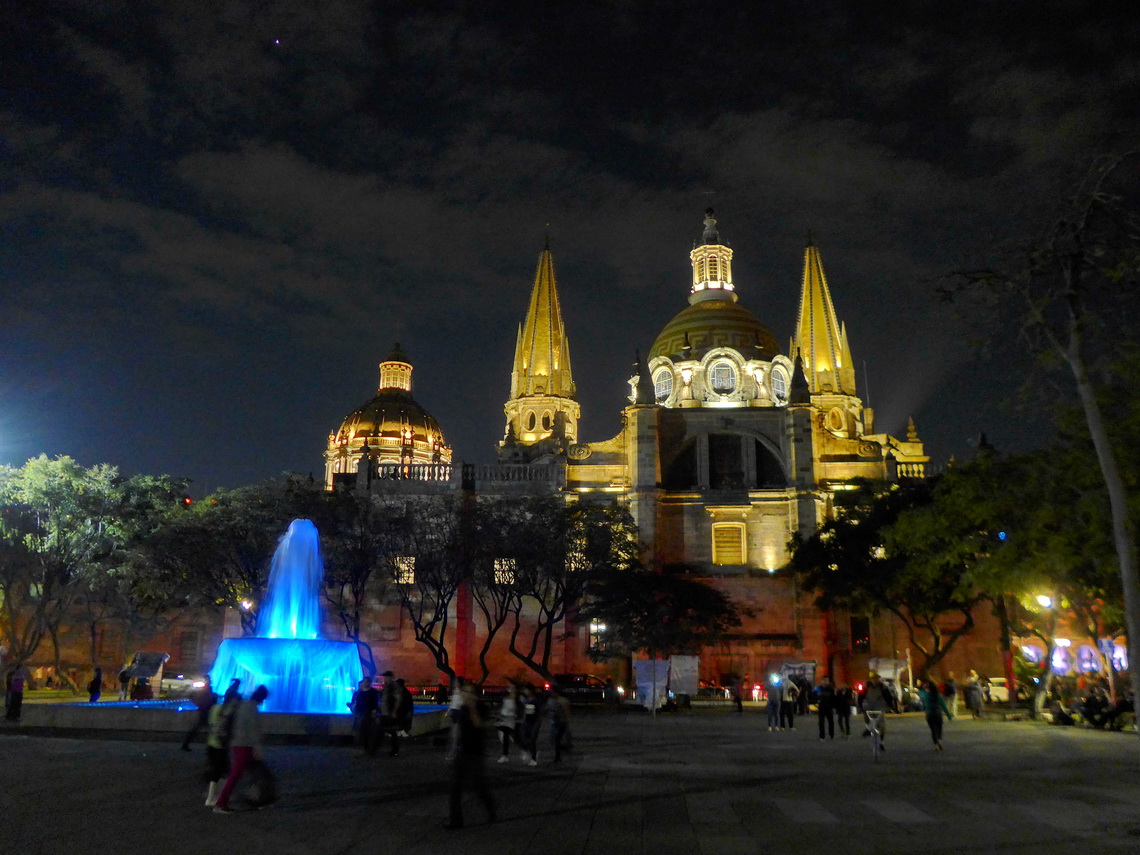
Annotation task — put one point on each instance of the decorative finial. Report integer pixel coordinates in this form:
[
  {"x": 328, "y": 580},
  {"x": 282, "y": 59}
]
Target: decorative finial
[
  {"x": 546, "y": 240},
  {"x": 809, "y": 243},
  {"x": 710, "y": 236},
  {"x": 911, "y": 430}
]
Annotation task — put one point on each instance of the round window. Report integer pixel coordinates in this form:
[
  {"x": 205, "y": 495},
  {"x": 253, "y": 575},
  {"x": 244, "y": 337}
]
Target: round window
[
  {"x": 722, "y": 377},
  {"x": 663, "y": 384}
]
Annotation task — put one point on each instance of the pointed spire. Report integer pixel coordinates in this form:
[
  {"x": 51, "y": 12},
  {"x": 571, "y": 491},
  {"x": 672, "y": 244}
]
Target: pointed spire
[
  {"x": 819, "y": 337},
  {"x": 541, "y": 382},
  {"x": 799, "y": 393}
]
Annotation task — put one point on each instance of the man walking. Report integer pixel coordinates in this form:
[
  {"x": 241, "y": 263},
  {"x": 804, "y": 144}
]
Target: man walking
[
  {"x": 825, "y": 706},
  {"x": 467, "y": 762},
  {"x": 774, "y": 691},
  {"x": 844, "y": 701},
  {"x": 14, "y": 685}
]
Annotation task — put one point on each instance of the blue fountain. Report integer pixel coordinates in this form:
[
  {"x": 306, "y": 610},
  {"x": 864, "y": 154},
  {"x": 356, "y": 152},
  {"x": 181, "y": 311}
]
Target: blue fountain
[{"x": 304, "y": 672}]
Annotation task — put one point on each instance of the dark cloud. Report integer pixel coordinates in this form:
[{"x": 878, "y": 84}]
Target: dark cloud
[{"x": 217, "y": 216}]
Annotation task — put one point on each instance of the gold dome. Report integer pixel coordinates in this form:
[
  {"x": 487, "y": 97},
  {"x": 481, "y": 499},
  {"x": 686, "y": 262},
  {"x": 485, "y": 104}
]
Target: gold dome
[
  {"x": 395, "y": 428},
  {"x": 713, "y": 323}
]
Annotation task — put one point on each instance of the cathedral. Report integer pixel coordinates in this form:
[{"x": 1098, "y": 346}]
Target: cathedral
[{"x": 729, "y": 445}]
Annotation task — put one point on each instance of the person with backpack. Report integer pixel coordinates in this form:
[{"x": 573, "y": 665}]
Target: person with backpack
[
  {"x": 950, "y": 693},
  {"x": 220, "y": 729},
  {"x": 789, "y": 702}
]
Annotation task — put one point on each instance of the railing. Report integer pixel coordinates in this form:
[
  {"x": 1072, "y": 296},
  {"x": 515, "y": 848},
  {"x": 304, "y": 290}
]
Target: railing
[
  {"x": 512, "y": 472},
  {"x": 412, "y": 471}
]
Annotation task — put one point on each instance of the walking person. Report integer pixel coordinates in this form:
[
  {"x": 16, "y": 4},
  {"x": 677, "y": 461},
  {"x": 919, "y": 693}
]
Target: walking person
[
  {"x": 950, "y": 693},
  {"x": 246, "y": 745},
  {"x": 14, "y": 683},
  {"x": 789, "y": 700},
  {"x": 934, "y": 705},
  {"x": 203, "y": 699},
  {"x": 774, "y": 692},
  {"x": 365, "y": 701},
  {"x": 125, "y": 683},
  {"x": 825, "y": 707},
  {"x": 531, "y": 724},
  {"x": 405, "y": 708},
  {"x": 844, "y": 704},
  {"x": 220, "y": 728},
  {"x": 974, "y": 695},
  {"x": 95, "y": 687},
  {"x": 389, "y": 709},
  {"x": 467, "y": 763},
  {"x": 507, "y": 722},
  {"x": 558, "y": 710}
]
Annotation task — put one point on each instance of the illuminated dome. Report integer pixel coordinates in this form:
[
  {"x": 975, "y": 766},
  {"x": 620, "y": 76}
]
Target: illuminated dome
[
  {"x": 715, "y": 323},
  {"x": 392, "y": 425}
]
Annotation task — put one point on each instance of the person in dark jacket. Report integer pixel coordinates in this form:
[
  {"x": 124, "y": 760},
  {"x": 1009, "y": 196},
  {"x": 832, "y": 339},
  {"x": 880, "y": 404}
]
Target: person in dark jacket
[
  {"x": 844, "y": 701},
  {"x": 825, "y": 707},
  {"x": 364, "y": 703},
  {"x": 470, "y": 717},
  {"x": 530, "y": 724},
  {"x": 405, "y": 708}
]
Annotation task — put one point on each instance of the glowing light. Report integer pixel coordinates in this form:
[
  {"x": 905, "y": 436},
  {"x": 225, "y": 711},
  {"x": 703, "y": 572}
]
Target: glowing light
[
  {"x": 1044, "y": 601},
  {"x": 686, "y": 375},
  {"x": 247, "y": 604},
  {"x": 1063, "y": 642}
]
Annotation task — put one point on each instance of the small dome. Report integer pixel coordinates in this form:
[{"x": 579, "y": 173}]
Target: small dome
[{"x": 716, "y": 323}]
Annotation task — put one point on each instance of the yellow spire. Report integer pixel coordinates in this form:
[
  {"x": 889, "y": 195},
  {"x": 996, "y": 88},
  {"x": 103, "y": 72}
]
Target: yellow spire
[
  {"x": 541, "y": 383},
  {"x": 820, "y": 338}
]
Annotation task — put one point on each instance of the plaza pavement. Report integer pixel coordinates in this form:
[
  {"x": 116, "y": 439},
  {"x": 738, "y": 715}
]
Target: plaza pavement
[{"x": 707, "y": 781}]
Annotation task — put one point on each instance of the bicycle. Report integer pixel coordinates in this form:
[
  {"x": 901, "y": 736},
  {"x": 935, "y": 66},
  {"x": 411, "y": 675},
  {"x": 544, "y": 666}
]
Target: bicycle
[{"x": 872, "y": 718}]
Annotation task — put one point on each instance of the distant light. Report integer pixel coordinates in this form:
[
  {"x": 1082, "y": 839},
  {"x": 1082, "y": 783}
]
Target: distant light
[
  {"x": 771, "y": 569},
  {"x": 1063, "y": 642},
  {"x": 1002, "y": 535},
  {"x": 198, "y": 684},
  {"x": 277, "y": 41},
  {"x": 246, "y": 604},
  {"x": 1044, "y": 601}
]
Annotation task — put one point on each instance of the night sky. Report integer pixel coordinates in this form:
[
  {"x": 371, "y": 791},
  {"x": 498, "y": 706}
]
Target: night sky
[{"x": 216, "y": 217}]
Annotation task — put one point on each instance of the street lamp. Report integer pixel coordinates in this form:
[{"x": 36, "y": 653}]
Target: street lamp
[{"x": 1045, "y": 601}]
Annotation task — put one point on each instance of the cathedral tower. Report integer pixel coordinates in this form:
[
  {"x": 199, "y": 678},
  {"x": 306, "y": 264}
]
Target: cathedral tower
[{"x": 542, "y": 415}]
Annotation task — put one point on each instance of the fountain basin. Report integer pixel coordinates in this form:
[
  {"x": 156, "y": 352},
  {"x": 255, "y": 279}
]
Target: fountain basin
[{"x": 303, "y": 675}]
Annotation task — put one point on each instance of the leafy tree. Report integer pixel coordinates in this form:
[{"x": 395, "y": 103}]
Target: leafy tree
[
  {"x": 855, "y": 562},
  {"x": 1067, "y": 294},
  {"x": 358, "y": 537},
  {"x": 60, "y": 526},
  {"x": 664, "y": 613},
  {"x": 222, "y": 547}
]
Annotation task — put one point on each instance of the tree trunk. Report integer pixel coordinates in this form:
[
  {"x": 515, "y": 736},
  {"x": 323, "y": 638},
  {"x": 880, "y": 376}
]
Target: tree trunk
[{"x": 1123, "y": 534}]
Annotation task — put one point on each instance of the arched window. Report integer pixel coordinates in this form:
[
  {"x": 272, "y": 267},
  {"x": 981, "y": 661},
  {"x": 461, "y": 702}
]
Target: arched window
[
  {"x": 713, "y": 268},
  {"x": 663, "y": 384},
  {"x": 531, "y": 421},
  {"x": 722, "y": 377},
  {"x": 728, "y": 543},
  {"x": 546, "y": 420},
  {"x": 779, "y": 385}
]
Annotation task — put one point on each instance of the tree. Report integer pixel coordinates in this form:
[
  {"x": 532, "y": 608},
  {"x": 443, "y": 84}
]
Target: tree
[
  {"x": 430, "y": 562},
  {"x": 1067, "y": 293},
  {"x": 222, "y": 546},
  {"x": 664, "y": 613},
  {"x": 60, "y": 526},
  {"x": 358, "y": 536},
  {"x": 855, "y": 563},
  {"x": 568, "y": 546}
]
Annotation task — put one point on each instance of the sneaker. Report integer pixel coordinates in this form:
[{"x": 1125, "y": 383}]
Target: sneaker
[
  {"x": 503, "y": 759},
  {"x": 223, "y": 809},
  {"x": 532, "y": 763}
]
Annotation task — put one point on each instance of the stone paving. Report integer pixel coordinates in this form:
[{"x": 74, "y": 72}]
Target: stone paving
[{"x": 702, "y": 782}]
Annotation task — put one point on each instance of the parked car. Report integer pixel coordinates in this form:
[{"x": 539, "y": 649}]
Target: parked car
[
  {"x": 180, "y": 685},
  {"x": 581, "y": 688}
]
